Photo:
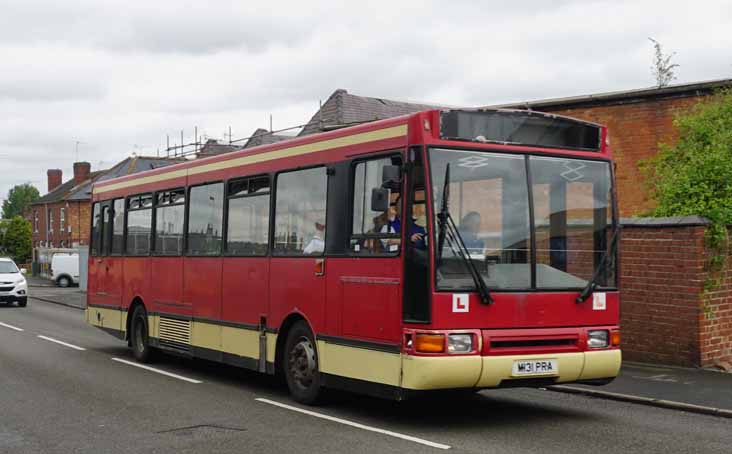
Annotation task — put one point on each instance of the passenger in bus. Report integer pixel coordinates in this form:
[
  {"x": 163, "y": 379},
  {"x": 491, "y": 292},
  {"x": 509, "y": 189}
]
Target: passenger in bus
[
  {"x": 317, "y": 243},
  {"x": 393, "y": 224},
  {"x": 469, "y": 228}
]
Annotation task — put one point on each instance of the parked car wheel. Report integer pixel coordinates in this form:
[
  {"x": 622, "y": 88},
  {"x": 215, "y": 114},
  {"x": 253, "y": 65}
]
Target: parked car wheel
[
  {"x": 63, "y": 281},
  {"x": 22, "y": 302}
]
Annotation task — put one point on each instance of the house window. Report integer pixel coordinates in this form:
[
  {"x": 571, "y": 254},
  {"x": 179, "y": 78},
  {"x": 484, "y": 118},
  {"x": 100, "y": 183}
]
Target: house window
[
  {"x": 35, "y": 221},
  {"x": 50, "y": 221},
  {"x": 62, "y": 220}
]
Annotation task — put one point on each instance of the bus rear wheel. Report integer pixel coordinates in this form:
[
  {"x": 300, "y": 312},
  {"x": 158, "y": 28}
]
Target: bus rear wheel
[
  {"x": 301, "y": 365},
  {"x": 139, "y": 336}
]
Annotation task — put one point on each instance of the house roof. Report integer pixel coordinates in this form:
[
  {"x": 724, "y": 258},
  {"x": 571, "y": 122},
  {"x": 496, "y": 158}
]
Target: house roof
[
  {"x": 263, "y": 137},
  {"x": 70, "y": 191},
  {"x": 135, "y": 164},
  {"x": 344, "y": 109},
  {"x": 212, "y": 147},
  {"x": 625, "y": 96}
]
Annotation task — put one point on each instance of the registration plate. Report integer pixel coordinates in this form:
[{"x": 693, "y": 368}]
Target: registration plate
[{"x": 536, "y": 367}]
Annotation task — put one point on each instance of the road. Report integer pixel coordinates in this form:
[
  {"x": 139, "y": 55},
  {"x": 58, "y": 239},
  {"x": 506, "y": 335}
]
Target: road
[{"x": 58, "y": 398}]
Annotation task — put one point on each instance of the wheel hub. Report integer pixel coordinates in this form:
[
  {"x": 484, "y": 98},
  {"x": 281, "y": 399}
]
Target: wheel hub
[{"x": 302, "y": 363}]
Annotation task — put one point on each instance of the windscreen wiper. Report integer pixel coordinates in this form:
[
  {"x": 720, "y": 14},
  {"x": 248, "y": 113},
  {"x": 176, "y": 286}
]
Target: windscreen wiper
[
  {"x": 592, "y": 284},
  {"x": 449, "y": 231}
]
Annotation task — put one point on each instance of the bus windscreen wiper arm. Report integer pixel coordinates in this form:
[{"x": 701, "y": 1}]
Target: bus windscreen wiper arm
[
  {"x": 448, "y": 230},
  {"x": 592, "y": 285}
]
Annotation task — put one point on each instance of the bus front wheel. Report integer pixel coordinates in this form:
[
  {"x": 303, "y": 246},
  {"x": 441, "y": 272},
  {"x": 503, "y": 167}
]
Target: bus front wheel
[
  {"x": 139, "y": 336},
  {"x": 301, "y": 365}
]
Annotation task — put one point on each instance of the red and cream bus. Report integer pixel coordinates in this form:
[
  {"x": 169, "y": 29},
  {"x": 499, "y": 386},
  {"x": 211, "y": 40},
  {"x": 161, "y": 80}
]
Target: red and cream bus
[{"x": 440, "y": 250}]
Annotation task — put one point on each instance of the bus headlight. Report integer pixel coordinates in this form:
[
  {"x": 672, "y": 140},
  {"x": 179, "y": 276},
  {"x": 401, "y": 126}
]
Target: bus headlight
[
  {"x": 597, "y": 338},
  {"x": 460, "y": 343}
]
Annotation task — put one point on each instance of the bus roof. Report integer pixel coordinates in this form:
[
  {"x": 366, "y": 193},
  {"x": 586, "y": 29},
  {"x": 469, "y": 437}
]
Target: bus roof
[{"x": 382, "y": 134}]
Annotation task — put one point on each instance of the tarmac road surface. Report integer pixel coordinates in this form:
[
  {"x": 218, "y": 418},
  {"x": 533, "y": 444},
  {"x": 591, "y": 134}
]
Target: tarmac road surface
[{"x": 67, "y": 387}]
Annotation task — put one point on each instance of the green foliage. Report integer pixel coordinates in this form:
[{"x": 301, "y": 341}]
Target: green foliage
[
  {"x": 694, "y": 176},
  {"x": 16, "y": 239},
  {"x": 19, "y": 198}
]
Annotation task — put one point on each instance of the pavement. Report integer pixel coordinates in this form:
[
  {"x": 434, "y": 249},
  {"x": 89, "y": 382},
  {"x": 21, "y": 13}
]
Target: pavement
[
  {"x": 695, "y": 390},
  {"x": 68, "y": 387},
  {"x": 46, "y": 290}
]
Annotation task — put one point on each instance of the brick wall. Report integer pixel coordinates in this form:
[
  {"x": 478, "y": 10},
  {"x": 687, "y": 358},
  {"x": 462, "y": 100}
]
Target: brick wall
[
  {"x": 664, "y": 315},
  {"x": 636, "y": 127},
  {"x": 76, "y": 215},
  {"x": 715, "y": 320}
]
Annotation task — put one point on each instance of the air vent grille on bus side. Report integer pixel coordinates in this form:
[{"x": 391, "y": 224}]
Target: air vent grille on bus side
[{"x": 175, "y": 333}]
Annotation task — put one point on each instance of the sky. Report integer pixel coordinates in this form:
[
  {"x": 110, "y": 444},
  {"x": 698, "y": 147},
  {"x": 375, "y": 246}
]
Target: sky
[{"x": 98, "y": 80}]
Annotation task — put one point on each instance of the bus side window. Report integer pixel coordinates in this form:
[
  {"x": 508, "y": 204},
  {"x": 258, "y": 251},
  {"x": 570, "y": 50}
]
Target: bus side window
[
  {"x": 374, "y": 232},
  {"x": 205, "y": 219},
  {"x": 139, "y": 224},
  {"x": 106, "y": 224},
  {"x": 96, "y": 233},
  {"x": 247, "y": 227},
  {"x": 118, "y": 219},
  {"x": 300, "y": 203},
  {"x": 169, "y": 213}
]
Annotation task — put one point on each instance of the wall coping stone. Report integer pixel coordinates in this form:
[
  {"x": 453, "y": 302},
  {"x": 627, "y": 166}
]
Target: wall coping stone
[{"x": 675, "y": 221}]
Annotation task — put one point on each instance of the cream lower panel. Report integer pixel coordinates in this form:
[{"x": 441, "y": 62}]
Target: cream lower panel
[
  {"x": 106, "y": 318},
  {"x": 206, "y": 335},
  {"x": 153, "y": 326},
  {"x": 445, "y": 372},
  {"x": 359, "y": 363},
  {"x": 601, "y": 364},
  {"x": 238, "y": 341},
  {"x": 499, "y": 368}
]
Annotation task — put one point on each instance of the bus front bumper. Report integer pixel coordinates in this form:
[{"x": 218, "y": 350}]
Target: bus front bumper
[{"x": 446, "y": 372}]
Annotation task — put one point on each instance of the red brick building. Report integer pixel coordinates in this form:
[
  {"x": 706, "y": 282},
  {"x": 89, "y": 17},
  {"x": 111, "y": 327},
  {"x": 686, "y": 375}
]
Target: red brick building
[
  {"x": 638, "y": 120},
  {"x": 61, "y": 218}
]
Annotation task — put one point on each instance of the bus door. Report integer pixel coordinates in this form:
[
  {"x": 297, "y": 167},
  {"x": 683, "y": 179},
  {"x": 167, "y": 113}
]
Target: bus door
[
  {"x": 368, "y": 286},
  {"x": 113, "y": 215},
  {"x": 97, "y": 272},
  {"x": 98, "y": 265},
  {"x": 298, "y": 266}
]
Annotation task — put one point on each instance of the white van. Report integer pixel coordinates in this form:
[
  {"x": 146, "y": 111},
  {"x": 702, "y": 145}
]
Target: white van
[{"x": 65, "y": 269}]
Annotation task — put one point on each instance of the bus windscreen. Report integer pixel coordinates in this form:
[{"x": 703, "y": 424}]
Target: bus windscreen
[{"x": 519, "y": 128}]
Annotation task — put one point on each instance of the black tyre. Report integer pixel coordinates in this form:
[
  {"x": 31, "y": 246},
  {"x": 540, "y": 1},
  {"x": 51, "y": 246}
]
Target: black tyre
[
  {"x": 22, "y": 302},
  {"x": 139, "y": 336},
  {"x": 63, "y": 281},
  {"x": 301, "y": 365}
]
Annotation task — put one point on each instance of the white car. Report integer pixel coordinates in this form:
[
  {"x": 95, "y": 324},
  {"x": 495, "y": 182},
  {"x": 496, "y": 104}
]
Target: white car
[{"x": 13, "y": 286}]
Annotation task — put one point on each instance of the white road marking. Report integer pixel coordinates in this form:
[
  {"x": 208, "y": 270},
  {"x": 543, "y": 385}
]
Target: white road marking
[
  {"x": 65, "y": 344},
  {"x": 11, "y": 326},
  {"x": 357, "y": 425},
  {"x": 152, "y": 369}
]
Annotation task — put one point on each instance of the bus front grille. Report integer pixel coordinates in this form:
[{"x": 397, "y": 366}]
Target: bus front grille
[{"x": 175, "y": 333}]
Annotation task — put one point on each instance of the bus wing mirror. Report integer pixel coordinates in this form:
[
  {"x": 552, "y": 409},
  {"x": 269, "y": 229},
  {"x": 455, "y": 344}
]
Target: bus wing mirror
[
  {"x": 380, "y": 199},
  {"x": 391, "y": 176}
]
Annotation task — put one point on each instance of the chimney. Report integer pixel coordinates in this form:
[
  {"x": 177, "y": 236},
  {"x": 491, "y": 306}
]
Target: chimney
[
  {"x": 54, "y": 179},
  {"x": 81, "y": 172}
]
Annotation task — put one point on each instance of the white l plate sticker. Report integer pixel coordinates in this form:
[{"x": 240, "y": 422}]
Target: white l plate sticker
[
  {"x": 598, "y": 301},
  {"x": 460, "y": 302}
]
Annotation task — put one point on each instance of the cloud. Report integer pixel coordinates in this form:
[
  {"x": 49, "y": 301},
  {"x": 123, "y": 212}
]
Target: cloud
[{"x": 120, "y": 76}]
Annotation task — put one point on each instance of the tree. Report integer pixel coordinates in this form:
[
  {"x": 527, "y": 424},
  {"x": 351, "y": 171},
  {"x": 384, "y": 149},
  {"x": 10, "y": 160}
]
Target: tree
[
  {"x": 694, "y": 176},
  {"x": 19, "y": 199},
  {"x": 18, "y": 239},
  {"x": 662, "y": 68}
]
